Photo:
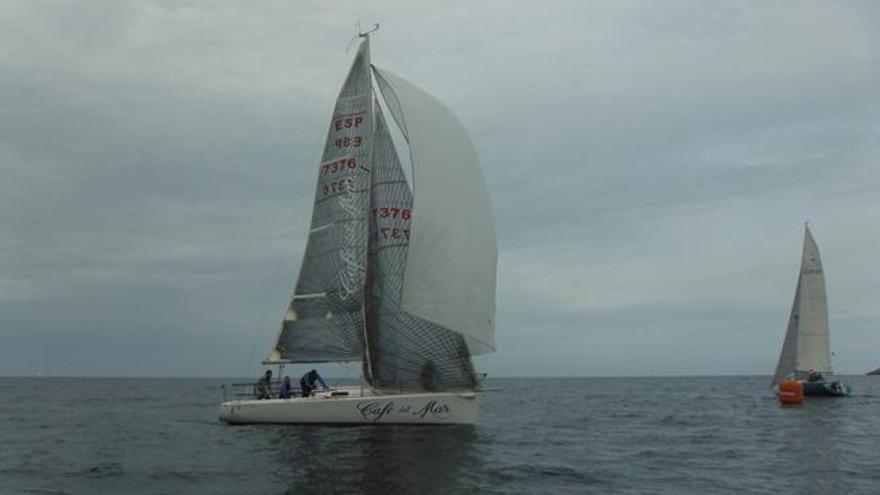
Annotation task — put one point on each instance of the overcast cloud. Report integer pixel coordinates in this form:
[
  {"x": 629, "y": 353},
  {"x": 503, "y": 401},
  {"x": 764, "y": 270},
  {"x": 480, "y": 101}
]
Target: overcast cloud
[{"x": 650, "y": 164}]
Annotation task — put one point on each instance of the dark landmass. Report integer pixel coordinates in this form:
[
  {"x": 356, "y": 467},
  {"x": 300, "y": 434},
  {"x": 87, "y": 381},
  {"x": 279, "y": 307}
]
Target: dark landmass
[{"x": 875, "y": 372}]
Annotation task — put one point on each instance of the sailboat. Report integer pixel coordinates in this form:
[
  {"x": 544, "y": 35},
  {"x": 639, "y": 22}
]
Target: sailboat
[
  {"x": 398, "y": 271},
  {"x": 806, "y": 351}
]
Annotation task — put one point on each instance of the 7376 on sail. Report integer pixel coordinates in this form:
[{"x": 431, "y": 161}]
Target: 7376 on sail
[
  {"x": 386, "y": 212},
  {"x": 337, "y": 166}
]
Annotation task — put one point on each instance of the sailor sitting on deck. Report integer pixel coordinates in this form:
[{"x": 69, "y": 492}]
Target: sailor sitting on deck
[
  {"x": 285, "y": 391},
  {"x": 307, "y": 382},
  {"x": 263, "y": 388},
  {"x": 815, "y": 376}
]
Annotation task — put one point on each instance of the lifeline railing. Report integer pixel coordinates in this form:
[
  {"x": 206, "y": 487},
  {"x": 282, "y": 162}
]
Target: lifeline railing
[{"x": 251, "y": 390}]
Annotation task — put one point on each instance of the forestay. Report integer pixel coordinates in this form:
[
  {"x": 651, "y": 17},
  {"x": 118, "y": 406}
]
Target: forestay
[{"x": 450, "y": 269}]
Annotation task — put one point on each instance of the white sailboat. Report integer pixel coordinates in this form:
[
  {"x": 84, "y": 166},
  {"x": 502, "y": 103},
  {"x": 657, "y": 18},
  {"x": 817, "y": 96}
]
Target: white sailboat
[
  {"x": 806, "y": 351},
  {"x": 400, "y": 277}
]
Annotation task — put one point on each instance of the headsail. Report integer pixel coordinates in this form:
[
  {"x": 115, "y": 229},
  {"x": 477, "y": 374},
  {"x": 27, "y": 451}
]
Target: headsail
[
  {"x": 807, "y": 343},
  {"x": 406, "y": 352},
  {"x": 450, "y": 269},
  {"x": 325, "y": 320},
  {"x": 788, "y": 356}
]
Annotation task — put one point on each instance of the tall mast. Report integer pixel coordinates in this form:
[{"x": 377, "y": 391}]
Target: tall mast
[{"x": 368, "y": 365}]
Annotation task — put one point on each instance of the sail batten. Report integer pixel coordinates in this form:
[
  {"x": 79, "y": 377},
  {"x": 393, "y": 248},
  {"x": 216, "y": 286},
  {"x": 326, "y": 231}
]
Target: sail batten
[{"x": 309, "y": 296}]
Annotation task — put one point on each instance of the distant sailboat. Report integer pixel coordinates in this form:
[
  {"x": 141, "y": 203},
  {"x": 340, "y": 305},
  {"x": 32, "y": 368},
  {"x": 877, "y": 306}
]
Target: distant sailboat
[
  {"x": 399, "y": 277},
  {"x": 806, "y": 351}
]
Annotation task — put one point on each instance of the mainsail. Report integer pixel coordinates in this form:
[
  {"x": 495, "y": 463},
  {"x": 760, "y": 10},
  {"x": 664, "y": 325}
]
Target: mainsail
[
  {"x": 403, "y": 277},
  {"x": 806, "y": 347},
  {"x": 325, "y": 320}
]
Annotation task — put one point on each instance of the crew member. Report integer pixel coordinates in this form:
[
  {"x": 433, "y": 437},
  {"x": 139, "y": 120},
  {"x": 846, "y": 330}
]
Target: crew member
[{"x": 308, "y": 381}]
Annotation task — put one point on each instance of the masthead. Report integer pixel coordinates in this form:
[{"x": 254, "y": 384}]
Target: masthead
[{"x": 364, "y": 34}]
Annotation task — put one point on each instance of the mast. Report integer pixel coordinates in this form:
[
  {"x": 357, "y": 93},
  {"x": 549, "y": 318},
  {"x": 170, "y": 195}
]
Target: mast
[{"x": 368, "y": 363}]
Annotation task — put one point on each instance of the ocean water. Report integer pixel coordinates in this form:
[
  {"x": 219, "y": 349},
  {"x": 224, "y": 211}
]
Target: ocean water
[{"x": 574, "y": 435}]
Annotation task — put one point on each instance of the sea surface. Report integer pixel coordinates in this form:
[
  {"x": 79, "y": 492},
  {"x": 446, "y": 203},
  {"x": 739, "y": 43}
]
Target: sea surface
[{"x": 568, "y": 435}]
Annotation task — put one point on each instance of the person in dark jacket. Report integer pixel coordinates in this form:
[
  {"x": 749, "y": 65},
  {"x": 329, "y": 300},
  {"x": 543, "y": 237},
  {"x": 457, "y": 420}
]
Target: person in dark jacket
[
  {"x": 285, "y": 391},
  {"x": 264, "y": 386},
  {"x": 308, "y": 381}
]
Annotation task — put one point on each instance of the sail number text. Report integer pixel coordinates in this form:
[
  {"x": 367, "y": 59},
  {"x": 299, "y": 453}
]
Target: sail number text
[
  {"x": 339, "y": 166},
  {"x": 404, "y": 213},
  {"x": 338, "y": 186},
  {"x": 348, "y": 142},
  {"x": 390, "y": 233},
  {"x": 348, "y": 122}
]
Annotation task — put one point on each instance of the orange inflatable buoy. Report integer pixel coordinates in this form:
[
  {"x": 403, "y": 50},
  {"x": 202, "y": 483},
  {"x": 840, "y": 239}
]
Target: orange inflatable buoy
[{"x": 791, "y": 392}]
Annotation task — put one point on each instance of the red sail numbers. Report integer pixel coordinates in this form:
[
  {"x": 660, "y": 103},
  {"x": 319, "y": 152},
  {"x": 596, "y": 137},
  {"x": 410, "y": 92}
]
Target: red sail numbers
[
  {"x": 348, "y": 142},
  {"x": 346, "y": 122},
  {"x": 392, "y": 215},
  {"x": 404, "y": 213},
  {"x": 341, "y": 165}
]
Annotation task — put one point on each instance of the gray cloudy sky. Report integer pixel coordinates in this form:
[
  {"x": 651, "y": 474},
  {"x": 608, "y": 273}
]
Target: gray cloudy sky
[{"x": 650, "y": 165}]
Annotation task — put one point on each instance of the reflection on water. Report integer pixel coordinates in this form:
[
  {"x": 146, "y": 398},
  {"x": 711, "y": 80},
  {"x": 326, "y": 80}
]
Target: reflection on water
[{"x": 374, "y": 458}]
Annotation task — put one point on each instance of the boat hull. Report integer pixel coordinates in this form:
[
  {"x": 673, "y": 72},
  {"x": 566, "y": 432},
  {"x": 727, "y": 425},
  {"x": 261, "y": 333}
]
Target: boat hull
[
  {"x": 826, "y": 389},
  {"x": 366, "y": 408}
]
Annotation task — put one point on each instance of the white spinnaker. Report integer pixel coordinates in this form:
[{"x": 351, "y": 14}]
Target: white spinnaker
[
  {"x": 814, "y": 349},
  {"x": 450, "y": 268}
]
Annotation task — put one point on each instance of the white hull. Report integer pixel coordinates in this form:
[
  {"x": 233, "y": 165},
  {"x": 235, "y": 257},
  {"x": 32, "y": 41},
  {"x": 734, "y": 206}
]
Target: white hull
[{"x": 358, "y": 407}]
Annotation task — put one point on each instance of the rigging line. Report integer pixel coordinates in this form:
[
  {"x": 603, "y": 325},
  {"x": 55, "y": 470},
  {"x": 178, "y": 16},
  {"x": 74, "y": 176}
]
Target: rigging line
[
  {"x": 264, "y": 312},
  {"x": 276, "y": 274}
]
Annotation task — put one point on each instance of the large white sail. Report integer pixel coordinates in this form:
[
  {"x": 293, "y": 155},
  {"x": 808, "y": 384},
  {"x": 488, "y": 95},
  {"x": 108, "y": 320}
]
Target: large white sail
[
  {"x": 450, "y": 269},
  {"x": 325, "y": 320},
  {"x": 406, "y": 352},
  {"x": 807, "y": 344}
]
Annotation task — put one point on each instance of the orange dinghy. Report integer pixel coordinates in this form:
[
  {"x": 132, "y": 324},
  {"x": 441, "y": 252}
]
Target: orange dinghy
[{"x": 791, "y": 392}]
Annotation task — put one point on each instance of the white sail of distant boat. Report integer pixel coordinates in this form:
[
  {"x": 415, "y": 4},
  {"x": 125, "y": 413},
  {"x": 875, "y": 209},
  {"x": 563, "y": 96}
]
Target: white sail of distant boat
[
  {"x": 399, "y": 277},
  {"x": 807, "y": 345}
]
